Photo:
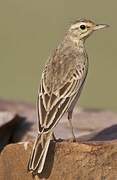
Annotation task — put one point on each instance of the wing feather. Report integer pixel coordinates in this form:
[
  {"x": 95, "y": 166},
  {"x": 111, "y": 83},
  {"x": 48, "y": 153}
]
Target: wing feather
[{"x": 52, "y": 106}]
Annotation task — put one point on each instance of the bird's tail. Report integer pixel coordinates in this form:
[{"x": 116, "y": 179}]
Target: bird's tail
[{"x": 39, "y": 152}]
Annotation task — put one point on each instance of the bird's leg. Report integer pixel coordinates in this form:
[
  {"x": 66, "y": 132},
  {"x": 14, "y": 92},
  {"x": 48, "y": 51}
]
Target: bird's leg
[
  {"x": 71, "y": 126},
  {"x": 53, "y": 136}
]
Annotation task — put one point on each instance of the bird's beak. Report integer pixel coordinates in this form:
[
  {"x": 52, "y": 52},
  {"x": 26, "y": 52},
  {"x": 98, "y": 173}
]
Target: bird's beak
[{"x": 100, "y": 26}]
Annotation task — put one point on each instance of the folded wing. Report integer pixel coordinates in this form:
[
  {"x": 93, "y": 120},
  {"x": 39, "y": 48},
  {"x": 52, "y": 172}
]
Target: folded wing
[{"x": 52, "y": 106}]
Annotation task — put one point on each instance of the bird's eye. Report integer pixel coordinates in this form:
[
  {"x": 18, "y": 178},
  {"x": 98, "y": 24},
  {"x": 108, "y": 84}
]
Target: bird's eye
[{"x": 83, "y": 27}]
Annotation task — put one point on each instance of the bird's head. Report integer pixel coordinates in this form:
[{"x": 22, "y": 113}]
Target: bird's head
[{"x": 81, "y": 29}]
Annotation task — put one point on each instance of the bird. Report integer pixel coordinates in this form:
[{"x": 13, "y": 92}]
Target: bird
[{"x": 61, "y": 84}]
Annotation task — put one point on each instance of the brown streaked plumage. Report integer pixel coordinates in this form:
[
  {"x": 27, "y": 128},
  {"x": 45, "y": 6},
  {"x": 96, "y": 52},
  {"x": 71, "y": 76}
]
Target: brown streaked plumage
[{"x": 61, "y": 84}]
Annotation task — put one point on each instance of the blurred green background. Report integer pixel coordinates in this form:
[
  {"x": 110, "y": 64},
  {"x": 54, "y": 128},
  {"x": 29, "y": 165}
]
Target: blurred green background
[{"x": 31, "y": 29}]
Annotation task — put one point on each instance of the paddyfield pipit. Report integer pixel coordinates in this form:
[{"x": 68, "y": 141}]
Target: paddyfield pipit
[{"x": 60, "y": 87}]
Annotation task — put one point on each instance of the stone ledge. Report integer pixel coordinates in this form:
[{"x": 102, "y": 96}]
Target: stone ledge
[{"x": 66, "y": 160}]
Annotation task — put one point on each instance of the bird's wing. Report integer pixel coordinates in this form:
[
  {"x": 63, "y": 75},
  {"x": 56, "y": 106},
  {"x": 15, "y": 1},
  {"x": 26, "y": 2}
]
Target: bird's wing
[{"x": 51, "y": 107}]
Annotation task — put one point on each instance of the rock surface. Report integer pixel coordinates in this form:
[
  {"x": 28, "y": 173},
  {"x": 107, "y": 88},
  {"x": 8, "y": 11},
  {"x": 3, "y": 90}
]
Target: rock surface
[
  {"x": 66, "y": 160},
  {"x": 93, "y": 157}
]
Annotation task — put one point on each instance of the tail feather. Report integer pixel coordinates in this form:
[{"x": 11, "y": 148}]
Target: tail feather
[{"x": 39, "y": 152}]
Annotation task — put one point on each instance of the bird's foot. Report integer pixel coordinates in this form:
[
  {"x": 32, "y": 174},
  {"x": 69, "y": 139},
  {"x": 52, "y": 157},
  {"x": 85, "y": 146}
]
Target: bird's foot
[{"x": 73, "y": 139}]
